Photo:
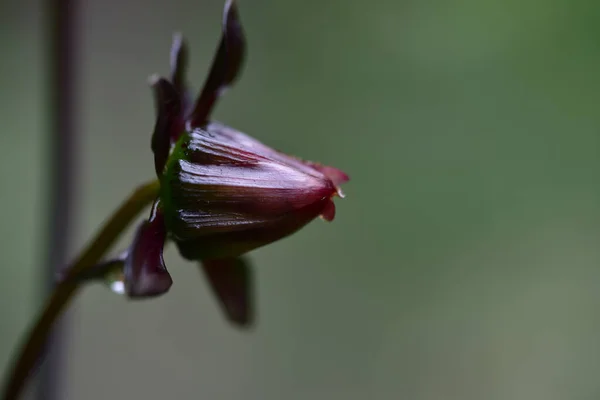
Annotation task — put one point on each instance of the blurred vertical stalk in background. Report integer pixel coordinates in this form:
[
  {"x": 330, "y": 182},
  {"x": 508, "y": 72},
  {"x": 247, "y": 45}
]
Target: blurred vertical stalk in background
[{"x": 60, "y": 178}]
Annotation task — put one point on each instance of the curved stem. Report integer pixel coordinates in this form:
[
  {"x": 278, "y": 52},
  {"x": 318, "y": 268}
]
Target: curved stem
[
  {"x": 29, "y": 353},
  {"x": 63, "y": 104}
]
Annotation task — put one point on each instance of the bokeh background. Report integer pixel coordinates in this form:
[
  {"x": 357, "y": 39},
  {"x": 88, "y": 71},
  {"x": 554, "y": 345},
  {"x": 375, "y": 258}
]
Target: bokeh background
[{"x": 464, "y": 262}]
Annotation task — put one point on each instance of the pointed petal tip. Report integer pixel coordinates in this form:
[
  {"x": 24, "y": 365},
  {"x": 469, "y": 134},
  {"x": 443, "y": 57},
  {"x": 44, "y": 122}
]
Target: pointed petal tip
[
  {"x": 177, "y": 48},
  {"x": 241, "y": 320},
  {"x": 149, "y": 285},
  {"x": 231, "y": 20},
  {"x": 164, "y": 88},
  {"x": 178, "y": 60},
  {"x": 232, "y": 28},
  {"x": 153, "y": 80},
  {"x": 337, "y": 176},
  {"x": 328, "y": 213},
  {"x": 229, "y": 11},
  {"x": 179, "y": 51},
  {"x": 177, "y": 39},
  {"x": 245, "y": 325}
]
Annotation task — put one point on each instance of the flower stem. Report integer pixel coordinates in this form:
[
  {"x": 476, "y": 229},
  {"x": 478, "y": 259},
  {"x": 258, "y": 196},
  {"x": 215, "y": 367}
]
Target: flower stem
[
  {"x": 62, "y": 180},
  {"x": 64, "y": 291}
]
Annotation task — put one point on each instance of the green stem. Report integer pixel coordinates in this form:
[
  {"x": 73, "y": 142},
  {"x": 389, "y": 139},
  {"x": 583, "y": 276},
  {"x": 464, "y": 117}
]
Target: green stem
[{"x": 65, "y": 290}]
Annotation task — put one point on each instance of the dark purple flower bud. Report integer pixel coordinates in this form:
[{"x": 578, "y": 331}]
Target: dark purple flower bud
[
  {"x": 225, "y": 193},
  {"x": 222, "y": 192}
]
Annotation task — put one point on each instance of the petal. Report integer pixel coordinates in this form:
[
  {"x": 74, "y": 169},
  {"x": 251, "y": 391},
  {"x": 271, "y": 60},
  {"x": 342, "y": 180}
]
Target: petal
[
  {"x": 231, "y": 281},
  {"x": 328, "y": 213},
  {"x": 168, "y": 110},
  {"x": 226, "y": 65},
  {"x": 145, "y": 273},
  {"x": 179, "y": 66},
  {"x": 179, "y": 62},
  {"x": 215, "y": 237},
  {"x": 237, "y": 140},
  {"x": 225, "y": 170},
  {"x": 235, "y": 194},
  {"x": 337, "y": 176},
  {"x": 225, "y": 198}
]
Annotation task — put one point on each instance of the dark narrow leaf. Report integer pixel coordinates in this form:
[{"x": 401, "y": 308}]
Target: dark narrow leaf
[
  {"x": 226, "y": 65},
  {"x": 168, "y": 112},
  {"x": 145, "y": 272},
  {"x": 232, "y": 283},
  {"x": 179, "y": 62}
]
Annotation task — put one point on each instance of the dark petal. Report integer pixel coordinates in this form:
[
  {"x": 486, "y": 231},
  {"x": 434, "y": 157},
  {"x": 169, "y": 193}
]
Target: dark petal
[
  {"x": 264, "y": 192},
  {"x": 145, "y": 273},
  {"x": 235, "y": 42},
  {"x": 236, "y": 142},
  {"x": 179, "y": 67},
  {"x": 236, "y": 194},
  {"x": 232, "y": 283},
  {"x": 168, "y": 110},
  {"x": 337, "y": 176},
  {"x": 212, "y": 238},
  {"x": 225, "y": 170},
  {"x": 328, "y": 213},
  {"x": 226, "y": 64},
  {"x": 179, "y": 62}
]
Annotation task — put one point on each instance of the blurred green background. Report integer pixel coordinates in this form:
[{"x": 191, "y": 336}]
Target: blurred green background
[{"x": 464, "y": 262}]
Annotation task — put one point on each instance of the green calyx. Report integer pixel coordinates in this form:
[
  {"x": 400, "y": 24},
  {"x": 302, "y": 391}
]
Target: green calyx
[{"x": 179, "y": 152}]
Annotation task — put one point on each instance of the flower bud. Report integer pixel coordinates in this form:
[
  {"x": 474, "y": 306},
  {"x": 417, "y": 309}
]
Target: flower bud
[{"x": 224, "y": 193}]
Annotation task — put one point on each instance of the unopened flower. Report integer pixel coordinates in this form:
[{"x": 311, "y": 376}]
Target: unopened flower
[{"x": 222, "y": 192}]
